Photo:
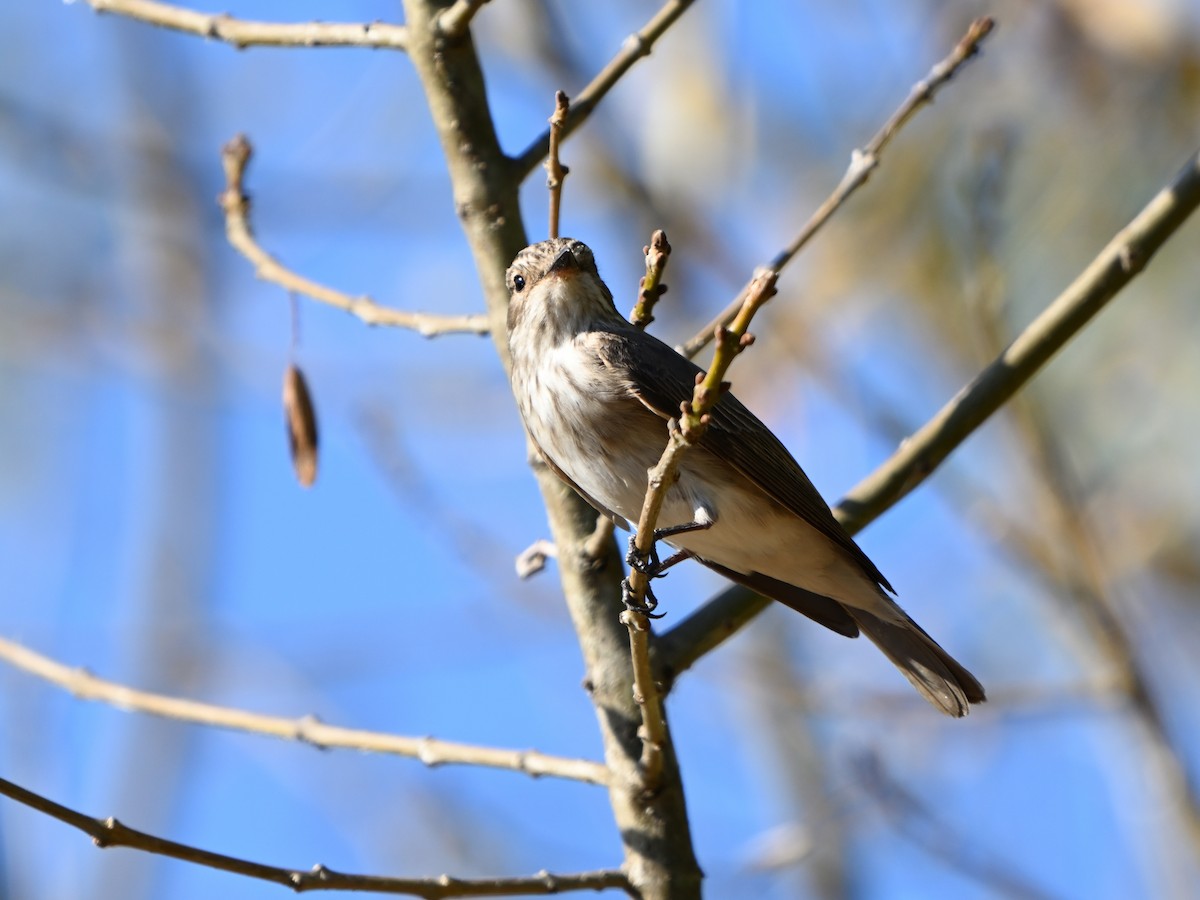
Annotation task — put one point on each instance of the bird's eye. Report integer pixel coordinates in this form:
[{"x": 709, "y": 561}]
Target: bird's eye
[{"x": 518, "y": 283}]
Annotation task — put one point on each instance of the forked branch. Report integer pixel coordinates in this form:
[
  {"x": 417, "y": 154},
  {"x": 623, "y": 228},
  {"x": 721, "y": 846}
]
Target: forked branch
[{"x": 455, "y": 20}]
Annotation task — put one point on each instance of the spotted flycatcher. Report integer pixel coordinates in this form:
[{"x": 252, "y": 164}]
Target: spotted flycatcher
[{"x": 596, "y": 394}]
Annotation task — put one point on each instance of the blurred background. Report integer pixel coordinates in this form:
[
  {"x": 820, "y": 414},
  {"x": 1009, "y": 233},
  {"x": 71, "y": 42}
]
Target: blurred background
[{"x": 152, "y": 531}]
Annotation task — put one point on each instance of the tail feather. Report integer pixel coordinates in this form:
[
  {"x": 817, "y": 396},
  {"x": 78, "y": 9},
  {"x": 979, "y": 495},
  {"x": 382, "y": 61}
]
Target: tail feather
[{"x": 936, "y": 675}]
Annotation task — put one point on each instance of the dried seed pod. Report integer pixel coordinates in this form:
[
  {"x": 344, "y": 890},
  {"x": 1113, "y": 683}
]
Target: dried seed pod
[{"x": 301, "y": 425}]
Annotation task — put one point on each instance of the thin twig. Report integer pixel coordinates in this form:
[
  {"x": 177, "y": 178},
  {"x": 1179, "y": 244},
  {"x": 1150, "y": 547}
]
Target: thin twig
[
  {"x": 533, "y": 558},
  {"x": 455, "y": 20},
  {"x": 242, "y": 33},
  {"x": 307, "y": 729},
  {"x": 556, "y": 172},
  {"x": 635, "y": 47},
  {"x": 659, "y": 856},
  {"x": 652, "y": 286},
  {"x": 235, "y": 155},
  {"x": 862, "y": 163},
  {"x": 693, "y": 422},
  {"x": 1116, "y": 265},
  {"x": 109, "y": 832},
  {"x": 647, "y": 693}
]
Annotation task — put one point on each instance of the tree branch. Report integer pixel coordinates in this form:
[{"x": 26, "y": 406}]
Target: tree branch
[
  {"x": 659, "y": 858},
  {"x": 241, "y": 33},
  {"x": 692, "y": 424},
  {"x": 636, "y": 46},
  {"x": 556, "y": 172},
  {"x": 453, "y": 22},
  {"x": 109, "y": 832},
  {"x": 862, "y": 163},
  {"x": 307, "y": 729},
  {"x": 712, "y": 624},
  {"x": 1117, "y": 264},
  {"x": 651, "y": 287},
  {"x": 235, "y": 156},
  {"x": 693, "y": 421}
]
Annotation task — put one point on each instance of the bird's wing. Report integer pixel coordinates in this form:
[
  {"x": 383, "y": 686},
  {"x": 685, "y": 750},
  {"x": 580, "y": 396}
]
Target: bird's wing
[
  {"x": 821, "y": 609},
  {"x": 662, "y": 379}
]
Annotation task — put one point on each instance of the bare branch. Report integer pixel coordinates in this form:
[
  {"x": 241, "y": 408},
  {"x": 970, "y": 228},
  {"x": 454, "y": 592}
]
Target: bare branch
[
  {"x": 635, "y": 47},
  {"x": 307, "y": 729},
  {"x": 235, "y": 155},
  {"x": 862, "y": 163},
  {"x": 652, "y": 286},
  {"x": 455, "y": 20},
  {"x": 241, "y": 33},
  {"x": 693, "y": 422},
  {"x": 109, "y": 832},
  {"x": 556, "y": 172},
  {"x": 648, "y": 696},
  {"x": 1116, "y": 265},
  {"x": 533, "y": 558},
  {"x": 1125, "y": 256}
]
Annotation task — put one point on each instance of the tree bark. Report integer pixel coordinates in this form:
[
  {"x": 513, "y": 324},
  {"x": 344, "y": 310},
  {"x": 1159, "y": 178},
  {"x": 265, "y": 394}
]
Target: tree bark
[{"x": 659, "y": 859}]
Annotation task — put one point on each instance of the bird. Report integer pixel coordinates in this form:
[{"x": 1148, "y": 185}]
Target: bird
[{"x": 596, "y": 395}]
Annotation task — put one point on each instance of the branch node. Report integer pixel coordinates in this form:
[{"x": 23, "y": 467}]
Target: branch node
[
  {"x": 636, "y": 46},
  {"x": 634, "y": 620},
  {"x": 651, "y": 286}
]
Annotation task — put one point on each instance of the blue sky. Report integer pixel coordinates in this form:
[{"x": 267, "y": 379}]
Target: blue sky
[{"x": 151, "y": 530}]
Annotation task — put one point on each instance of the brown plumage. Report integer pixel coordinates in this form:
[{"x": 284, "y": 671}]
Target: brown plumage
[{"x": 596, "y": 394}]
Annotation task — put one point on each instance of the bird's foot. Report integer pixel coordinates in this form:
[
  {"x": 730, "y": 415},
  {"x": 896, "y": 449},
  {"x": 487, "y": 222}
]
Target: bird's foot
[
  {"x": 647, "y": 563},
  {"x": 645, "y": 606}
]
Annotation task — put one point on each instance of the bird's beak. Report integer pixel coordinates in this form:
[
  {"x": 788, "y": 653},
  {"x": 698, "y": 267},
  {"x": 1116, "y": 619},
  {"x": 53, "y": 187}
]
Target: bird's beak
[{"x": 564, "y": 262}]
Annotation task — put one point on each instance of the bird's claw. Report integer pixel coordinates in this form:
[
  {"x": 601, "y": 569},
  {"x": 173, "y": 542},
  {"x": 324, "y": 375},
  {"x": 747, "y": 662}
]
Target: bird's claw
[
  {"x": 645, "y": 606},
  {"x": 647, "y": 563}
]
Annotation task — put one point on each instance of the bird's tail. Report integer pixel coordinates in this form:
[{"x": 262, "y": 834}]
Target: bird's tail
[{"x": 938, "y": 677}]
